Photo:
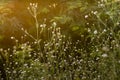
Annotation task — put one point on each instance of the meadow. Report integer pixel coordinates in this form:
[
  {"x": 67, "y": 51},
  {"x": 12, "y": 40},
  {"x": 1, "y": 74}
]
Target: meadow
[{"x": 65, "y": 40}]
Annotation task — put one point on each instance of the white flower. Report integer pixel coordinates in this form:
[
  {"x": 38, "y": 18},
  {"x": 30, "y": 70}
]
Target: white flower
[
  {"x": 86, "y": 16},
  {"x": 119, "y": 61},
  {"x": 117, "y": 23},
  {"x": 12, "y": 37},
  {"x": 104, "y": 30},
  {"x": 54, "y": 5},
  {"x": 54, "y": 24},
  {"x": 89, "y": 30},
  {"x": 25, "y": 64},
  {"x": 1, "y": 49},
  {"x": 14, "y": 71},
  {"x": 95, "y": 12},
  {"x": 95, "y": 32},
  {"x": 31, "y": 4},
  {"x": 87, "y": 23},
  {"x": 41, "y": 25},
  {"x": 104, "y": 55},
  {"x": 36, "y": 5},
  {"x": 105, "y": 48},
  {"x": 28, "y": 8},
  {"x": 44, "y": 25},
  {"x": 101, "y": 5}
]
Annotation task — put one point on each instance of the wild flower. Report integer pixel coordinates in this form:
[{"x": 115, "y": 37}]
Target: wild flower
[
  {"x": 86, "y": 16},
  {"x": 12, "y": 37},
  {"x": 104, "y": 55},
  {"x": 104, "y": 30},
  {"x": 89, "y": 30},
  {"x": 95, "y": 12},
  {"x": 95, "y": 32},
  {"x": 105, "y": 48},
  {"x": 119, "y": 61}
]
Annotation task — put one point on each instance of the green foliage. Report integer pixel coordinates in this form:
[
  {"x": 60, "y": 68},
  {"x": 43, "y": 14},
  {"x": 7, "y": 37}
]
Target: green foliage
[{"x": 62, "y": 19}]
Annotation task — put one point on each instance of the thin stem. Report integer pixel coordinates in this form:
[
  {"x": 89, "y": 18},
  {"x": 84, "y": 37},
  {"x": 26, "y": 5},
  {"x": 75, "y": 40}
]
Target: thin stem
[{"x": 37, "y": 29}]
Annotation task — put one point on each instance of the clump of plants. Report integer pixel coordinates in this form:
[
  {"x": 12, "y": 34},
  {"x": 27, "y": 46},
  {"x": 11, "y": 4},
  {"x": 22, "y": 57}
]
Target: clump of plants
[{"x": 51, "y": 55}]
